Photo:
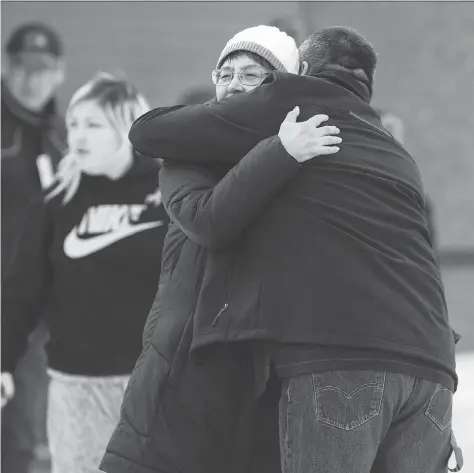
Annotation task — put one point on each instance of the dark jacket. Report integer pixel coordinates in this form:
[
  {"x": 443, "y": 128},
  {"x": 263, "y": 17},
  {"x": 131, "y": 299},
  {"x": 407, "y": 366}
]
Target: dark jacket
[
  {"x": 196, "y": 414},
  {"x": 25, "y": 136},
  {"x": 341, "y": 258}
]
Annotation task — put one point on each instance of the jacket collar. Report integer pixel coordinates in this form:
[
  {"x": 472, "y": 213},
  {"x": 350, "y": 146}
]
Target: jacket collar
[
  {"x": 345, "y": 80},
  {"x": 42, "y": 118}
]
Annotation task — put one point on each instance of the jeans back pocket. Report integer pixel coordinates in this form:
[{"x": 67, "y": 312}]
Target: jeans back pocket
[
  {"x": 439, "y": 408},
  {"x": 347, "y": 399}
]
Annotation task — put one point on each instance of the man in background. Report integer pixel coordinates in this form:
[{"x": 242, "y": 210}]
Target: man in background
[{"x": 32, "y": 144}]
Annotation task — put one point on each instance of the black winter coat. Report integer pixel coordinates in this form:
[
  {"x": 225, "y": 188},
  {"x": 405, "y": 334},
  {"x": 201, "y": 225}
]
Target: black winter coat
[
  {"x": 342, "y": 257},
  {"x": 184, "y": 413}
]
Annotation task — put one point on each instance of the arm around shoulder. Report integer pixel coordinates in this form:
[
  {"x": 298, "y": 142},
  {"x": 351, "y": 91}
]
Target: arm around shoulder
[{"x": 213, "y": 211}]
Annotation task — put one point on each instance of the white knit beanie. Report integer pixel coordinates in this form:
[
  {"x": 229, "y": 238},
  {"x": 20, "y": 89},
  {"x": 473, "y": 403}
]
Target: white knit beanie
[{"x": 269, "y": 42}]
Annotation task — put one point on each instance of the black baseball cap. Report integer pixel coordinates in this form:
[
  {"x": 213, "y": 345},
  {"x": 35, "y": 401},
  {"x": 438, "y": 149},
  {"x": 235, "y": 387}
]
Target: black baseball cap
[{"x": 37, "y": 46}]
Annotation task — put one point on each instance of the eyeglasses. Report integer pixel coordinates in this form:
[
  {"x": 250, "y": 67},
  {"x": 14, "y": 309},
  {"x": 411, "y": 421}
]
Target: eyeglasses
[{"x": 223, "y": 77}]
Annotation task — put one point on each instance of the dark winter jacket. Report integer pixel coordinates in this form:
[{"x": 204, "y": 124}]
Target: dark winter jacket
[
  {"x": 25, "y": 136},
  {"x": 198, "y": 414},
  {"x": 341, "y": 258}
]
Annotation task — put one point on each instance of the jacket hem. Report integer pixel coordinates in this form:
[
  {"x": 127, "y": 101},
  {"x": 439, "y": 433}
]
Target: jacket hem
[
  {"x": 112, "y": 463},
  {"x": 417, "y": 358}
]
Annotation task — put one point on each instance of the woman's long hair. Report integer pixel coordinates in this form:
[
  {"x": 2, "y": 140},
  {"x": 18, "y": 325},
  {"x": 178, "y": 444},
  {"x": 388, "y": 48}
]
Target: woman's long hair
[{"x": 121, "y": 103}]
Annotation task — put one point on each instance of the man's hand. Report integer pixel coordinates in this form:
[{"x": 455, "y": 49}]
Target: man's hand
[
  {"x": 7, "y": 387},
  {"x": 304, "y": 140}
]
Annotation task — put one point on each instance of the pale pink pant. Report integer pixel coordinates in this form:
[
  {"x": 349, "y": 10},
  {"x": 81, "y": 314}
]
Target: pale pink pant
[{"x": 82, "y": 415}]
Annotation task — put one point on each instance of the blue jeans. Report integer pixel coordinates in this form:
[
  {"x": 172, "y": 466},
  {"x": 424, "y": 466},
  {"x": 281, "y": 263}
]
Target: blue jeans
[{"x": 364, "y": 422}]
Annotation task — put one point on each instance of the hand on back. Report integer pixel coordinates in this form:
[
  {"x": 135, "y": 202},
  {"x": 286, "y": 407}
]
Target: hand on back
[{"x": 306, "y": 140}]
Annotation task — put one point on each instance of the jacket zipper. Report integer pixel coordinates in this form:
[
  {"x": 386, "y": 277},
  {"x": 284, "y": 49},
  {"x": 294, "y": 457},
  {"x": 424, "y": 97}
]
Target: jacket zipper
[{"x": 226, "y": 301}]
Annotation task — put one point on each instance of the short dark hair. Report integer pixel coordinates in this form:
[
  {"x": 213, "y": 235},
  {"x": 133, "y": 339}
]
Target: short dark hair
[
  {"x": 343, "y": 48},
  {"x": 258, "y": 59}
]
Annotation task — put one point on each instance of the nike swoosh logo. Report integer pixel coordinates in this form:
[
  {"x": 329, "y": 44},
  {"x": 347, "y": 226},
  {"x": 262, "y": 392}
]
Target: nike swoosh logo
[{"x": 76, "y": 247}]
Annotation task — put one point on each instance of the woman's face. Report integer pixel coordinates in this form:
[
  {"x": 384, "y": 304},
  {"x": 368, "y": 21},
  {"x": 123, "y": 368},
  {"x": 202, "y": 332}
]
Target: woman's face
[
  {"x": 91, "y": 137},
  {"x": 243, "y": 64}
]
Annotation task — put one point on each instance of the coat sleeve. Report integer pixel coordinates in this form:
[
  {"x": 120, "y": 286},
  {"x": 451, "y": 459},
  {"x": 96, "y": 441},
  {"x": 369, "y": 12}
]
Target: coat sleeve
[
  {"x": 214, "y": 212},
  {"x": 216, "y": 132},
  {"x": 24, "y": 287}
]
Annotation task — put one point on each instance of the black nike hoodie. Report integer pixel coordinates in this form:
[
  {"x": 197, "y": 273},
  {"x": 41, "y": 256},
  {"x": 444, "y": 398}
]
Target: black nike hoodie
[{"x": 94, "y": 265}]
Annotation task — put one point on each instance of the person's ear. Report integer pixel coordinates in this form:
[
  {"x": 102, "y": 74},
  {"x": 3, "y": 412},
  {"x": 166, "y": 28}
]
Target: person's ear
[{"x": 304, "y": 67}]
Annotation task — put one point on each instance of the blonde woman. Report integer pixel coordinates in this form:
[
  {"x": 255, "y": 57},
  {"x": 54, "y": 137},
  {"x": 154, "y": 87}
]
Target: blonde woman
[{"x": 90, "y": 255}]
